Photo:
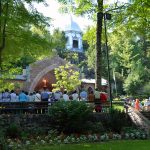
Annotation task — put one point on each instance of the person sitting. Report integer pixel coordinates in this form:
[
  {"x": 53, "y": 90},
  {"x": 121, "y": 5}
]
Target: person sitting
[
  {"x": 37, "y": 96},
  {"x": 44, "y": 96},
  {"x": 13, "y": 96},
  {"x": 1, "y": 93},
  {"x": 57, "y": 95},
  {"x": 23, "y": 97},
  {"x": 83, "y": 95},
  {"x": 31, "y": 97},
  {"x": 6, "y": 96},
  {"x": 75, "y": 95},
  {"x": 65, "y": 96},
  {"x": 91, "y": 96}
]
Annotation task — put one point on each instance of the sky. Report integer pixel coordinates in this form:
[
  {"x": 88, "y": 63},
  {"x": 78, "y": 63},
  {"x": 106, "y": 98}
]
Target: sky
[{"x": 60, "y": 20}]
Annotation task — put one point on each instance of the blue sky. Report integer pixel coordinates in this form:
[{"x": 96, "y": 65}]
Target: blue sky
[{"x": 60, "y": 20}]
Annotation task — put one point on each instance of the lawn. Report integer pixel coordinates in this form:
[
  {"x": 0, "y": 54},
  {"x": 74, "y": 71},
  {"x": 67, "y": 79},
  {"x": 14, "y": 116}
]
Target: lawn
[
  {"x": 110, "y": 145},
  {"x": 119, "y": 107}
]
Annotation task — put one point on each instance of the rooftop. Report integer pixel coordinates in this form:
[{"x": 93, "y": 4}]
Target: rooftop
[{"x": 72, "y": 25}]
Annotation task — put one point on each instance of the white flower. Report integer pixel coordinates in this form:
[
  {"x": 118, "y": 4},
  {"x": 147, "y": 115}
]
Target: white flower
[
  {"x": 43, "y": 142},
  {"x": 102, "y": 137},
  {"x": 50, "y": 141},
  {"x": 66, "y": 141},
  {"x": 77, "y": 140},
  {"x": 126, "y": 135},
  {"x": 27, "y": 142}
]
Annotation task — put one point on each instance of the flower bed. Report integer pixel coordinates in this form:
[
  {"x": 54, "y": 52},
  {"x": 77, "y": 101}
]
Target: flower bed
[{"x": 53, "y": 139}]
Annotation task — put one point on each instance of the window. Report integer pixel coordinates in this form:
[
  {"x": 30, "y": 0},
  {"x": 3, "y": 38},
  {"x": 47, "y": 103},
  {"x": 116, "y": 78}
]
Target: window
[{"x": 75, "y": 43}]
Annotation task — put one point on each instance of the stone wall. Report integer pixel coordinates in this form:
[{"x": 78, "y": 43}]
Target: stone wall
[{"x": 30, "y": 121}]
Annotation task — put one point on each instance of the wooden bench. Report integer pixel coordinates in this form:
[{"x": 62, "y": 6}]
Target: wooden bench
[
  {"x": 36, "y": 107},
  {"x": 23, "y": 107}
]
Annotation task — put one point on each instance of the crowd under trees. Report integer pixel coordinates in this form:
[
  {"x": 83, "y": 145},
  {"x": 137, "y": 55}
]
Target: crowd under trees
[{"x": 25, "y": 38}]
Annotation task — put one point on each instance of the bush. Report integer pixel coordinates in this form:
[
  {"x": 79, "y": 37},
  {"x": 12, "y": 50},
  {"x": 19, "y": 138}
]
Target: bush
[
  {"x": 70, "y": 117},
  {"x": 3, "y": 144},
  {"x": 96, "y": 127},
  {"x": 116, "y": 121},
  {"x": 13, "y": 131}
]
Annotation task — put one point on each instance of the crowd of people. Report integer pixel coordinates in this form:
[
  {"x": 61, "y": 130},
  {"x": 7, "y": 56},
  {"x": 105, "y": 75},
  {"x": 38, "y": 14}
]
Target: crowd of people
[
  {"x": 138, "y": 105},
  {"x": 46, "y": 95}
]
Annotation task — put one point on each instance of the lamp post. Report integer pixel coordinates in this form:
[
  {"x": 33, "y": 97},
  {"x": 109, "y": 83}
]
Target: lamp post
[{"x": 108, "y": 17}]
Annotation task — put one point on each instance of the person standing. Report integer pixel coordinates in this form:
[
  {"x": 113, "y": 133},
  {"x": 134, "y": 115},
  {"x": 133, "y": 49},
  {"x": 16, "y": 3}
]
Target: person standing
[{"x": 138, "y": 105}]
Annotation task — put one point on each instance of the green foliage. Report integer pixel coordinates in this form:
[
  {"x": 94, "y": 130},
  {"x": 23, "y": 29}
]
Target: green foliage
[
  {"x": 70, "y": 117},
  {"x": 117, "y": 120},
  {"x": 66, "y": 77},
  {"x": 21, "y": 17},
  {"x": 24, "y": 37},
  {"x": 13, "y": 131},
  {"x": 90, "y": 37},
  {"x": 129, "y": 45},
  {"x": 146, "y": 88},
  {"x": 96, "y": 127},
  {"x": 3, "y": 145},
  {"x": 59, "y": 40}
]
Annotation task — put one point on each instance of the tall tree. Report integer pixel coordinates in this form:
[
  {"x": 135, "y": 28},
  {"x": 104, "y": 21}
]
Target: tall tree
[
  {"x": 130, "y": 53},
  {"x": 59, "y": 42},
  {"x": 17, "y": 20},
  {"x": 83, "y": 7}
]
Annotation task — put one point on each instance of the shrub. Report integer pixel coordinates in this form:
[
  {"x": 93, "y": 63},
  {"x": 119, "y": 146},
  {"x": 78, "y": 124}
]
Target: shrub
[
  {"x": 13, "y": 131},
  {"x": 70, "y": 117},
  {"x": 3, "y": 144},
  {"x": 116, "y": 121},
  {"x": 95, "y": 127}
]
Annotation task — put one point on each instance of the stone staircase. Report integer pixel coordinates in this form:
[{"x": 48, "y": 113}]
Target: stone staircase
[{"x": 140, "y": 119}]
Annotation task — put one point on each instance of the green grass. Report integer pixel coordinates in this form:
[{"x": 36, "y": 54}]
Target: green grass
[
  {"x": 119, "y": 107},
  {"x": 111, "y": 145}
]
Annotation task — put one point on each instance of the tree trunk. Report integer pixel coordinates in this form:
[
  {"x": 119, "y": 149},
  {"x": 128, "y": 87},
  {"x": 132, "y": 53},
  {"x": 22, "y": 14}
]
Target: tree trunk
[
  {"x": 3, "y": 29},
  {"x": 98, "y": 64}
]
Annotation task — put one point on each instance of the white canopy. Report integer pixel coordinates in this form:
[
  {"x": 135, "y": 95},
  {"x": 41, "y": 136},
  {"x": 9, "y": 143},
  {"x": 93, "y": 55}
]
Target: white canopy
[{"x": 104, "y": 82}]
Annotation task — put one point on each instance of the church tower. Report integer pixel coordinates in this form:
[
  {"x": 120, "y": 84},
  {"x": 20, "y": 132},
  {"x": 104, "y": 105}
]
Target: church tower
[{"x": 73, "y": 34}]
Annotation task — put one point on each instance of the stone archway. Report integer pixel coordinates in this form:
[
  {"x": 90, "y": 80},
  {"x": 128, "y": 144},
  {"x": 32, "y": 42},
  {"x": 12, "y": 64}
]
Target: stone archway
[
  {"x": 40, "y": 68},
  {"x": 41, "y": 75}
]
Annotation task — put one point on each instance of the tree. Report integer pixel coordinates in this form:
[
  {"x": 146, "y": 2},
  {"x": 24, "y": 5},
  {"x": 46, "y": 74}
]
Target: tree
[
  {"x": 90, "y": 37},
  {"x": 66, "y": 78},
  {"x": 127, "y": 48},
  {"x": 129, "y": 45},
  {"x": 59, "y": 42},
  {"x": 17, "y": 21},
  {"x": 91, "y": 7}
]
